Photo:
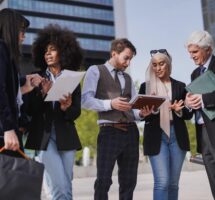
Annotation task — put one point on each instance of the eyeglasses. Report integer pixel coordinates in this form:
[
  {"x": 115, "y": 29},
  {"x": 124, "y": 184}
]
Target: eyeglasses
[{"x": 164, "y": 51}]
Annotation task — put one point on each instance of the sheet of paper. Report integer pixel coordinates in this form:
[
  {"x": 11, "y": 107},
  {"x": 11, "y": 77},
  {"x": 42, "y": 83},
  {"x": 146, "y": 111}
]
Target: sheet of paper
[{"x": 64, "y": 85}]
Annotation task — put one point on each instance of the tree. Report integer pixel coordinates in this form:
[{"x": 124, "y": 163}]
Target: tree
[
  {"x": 192, "y": 136},
  {"x": 87, "y": 131}
]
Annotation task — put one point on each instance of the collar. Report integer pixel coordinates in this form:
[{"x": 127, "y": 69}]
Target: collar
[
  {"x": 208, "y": 62},
  {"x": 51, "y": 76},
  {"x": 111, "y": 68}
]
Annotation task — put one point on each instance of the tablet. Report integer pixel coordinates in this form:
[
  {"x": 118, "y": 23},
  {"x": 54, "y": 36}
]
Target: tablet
[{"x": 139, "y": 101}]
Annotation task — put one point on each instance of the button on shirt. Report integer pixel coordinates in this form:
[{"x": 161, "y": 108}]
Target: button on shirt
[{"x": 88, "y": 100}]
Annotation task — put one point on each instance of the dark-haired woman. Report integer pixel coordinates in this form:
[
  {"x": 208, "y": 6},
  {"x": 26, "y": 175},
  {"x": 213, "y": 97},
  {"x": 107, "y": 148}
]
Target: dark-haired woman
[
  {"x": 12, "y": 34},
  {"x": 52, "y": 128}
]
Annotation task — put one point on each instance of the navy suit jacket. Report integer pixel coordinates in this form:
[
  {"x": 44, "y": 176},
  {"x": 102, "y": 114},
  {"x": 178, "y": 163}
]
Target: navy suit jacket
[
  {"x": 152, "y": 129},
  {"x": 209, "y": 103}
]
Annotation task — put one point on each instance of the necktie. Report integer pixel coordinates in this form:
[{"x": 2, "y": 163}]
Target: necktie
[
  {"x": 202, "y": 69},
  {"x": 116, "y": 78}
]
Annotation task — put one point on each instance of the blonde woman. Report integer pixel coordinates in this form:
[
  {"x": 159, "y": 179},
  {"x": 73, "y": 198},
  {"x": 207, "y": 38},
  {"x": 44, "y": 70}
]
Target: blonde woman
[{"x": 165, "y": 134}]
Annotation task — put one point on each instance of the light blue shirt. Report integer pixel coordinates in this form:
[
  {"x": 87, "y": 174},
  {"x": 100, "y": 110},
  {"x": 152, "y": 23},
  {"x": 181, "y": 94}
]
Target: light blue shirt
[
  {"x": 88, "y": 100},
  {"x": 53, "y": 79},
  {"x": 19, "y": 98}
]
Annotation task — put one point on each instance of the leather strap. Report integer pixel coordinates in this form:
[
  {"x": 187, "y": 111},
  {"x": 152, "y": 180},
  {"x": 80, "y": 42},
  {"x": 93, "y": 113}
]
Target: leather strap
[
  {"x": 120, "y": 126},
  {"x": 20, "y": 152}
]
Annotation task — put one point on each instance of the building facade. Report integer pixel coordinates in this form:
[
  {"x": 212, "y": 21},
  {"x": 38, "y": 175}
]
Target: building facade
[
  {"x": 208, "y": 10},
  {"x": 91, "y": 20}
]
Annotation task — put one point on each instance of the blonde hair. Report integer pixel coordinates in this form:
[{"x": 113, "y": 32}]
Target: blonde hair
[
  {"x": 155, "y": 86},
  {"x": 166, "y": 58}
]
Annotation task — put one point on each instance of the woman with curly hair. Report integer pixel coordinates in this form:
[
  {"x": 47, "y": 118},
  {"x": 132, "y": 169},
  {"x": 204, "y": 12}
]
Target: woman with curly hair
[{"x": 52, "y": 128}]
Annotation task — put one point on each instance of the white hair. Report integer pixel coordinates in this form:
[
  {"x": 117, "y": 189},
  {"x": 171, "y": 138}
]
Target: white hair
[{"x": 200, "y": 38}]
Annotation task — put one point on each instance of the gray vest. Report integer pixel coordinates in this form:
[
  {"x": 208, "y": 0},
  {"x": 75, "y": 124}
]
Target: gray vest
[{"x": 108, "y": 89}]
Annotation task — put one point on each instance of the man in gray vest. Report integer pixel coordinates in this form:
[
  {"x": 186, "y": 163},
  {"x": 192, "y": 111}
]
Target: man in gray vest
[{"x": 107, "y": 90}]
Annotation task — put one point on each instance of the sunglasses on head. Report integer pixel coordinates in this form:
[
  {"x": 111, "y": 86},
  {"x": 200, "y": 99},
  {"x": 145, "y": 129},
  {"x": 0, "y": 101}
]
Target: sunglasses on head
[{"x": 164, "y": 51}]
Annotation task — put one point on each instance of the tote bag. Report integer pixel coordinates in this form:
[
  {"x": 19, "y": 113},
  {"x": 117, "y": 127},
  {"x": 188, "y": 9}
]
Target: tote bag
[{"x": 20, "y": 178}]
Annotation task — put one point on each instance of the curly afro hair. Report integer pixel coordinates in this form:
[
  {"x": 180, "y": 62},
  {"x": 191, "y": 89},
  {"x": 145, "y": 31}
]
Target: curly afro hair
[{"x": 64, "y": 40}]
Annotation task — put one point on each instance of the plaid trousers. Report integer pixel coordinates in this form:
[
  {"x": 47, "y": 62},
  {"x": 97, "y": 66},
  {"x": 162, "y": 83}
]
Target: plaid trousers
[{"x": 115, "y": 145}]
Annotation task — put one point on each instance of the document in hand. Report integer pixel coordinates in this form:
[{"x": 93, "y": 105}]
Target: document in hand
[
  {"x": 201, "y": 85},
  {"x": 65, "y": 84},
  {"x": 140, "y": 100}
]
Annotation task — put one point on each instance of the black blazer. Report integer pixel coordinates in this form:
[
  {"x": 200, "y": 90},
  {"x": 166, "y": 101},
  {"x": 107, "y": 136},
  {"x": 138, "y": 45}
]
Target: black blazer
[
  {"x": 152, "y": 129},
  {"x": 43, "y": 115},
  {"x": 209, "y": 103},
  {"x": 8, "y": 94},
  {"x": 8, "y": 91}
]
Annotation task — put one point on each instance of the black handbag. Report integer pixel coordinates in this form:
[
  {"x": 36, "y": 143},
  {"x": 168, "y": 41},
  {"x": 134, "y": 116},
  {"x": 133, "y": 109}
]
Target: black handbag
[{"x": 20, "y": 179}]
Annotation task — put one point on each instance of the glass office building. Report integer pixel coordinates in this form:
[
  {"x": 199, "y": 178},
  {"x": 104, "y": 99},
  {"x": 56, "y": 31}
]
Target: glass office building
[
  {"x": 91, "y": 20},
  {"x": 208, "y": 10}
]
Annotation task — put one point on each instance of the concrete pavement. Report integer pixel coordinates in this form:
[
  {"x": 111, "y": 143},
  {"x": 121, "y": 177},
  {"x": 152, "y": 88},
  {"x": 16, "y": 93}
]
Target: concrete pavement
[{"x": 193, "y": 184}]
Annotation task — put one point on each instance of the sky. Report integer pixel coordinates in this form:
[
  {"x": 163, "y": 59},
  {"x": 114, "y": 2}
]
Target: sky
[{"x": 162, "y": 24}]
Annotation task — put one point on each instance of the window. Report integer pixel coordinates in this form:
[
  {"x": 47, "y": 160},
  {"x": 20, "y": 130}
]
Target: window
[
  {"x": 89, "y": 44},
  {"x": 62, "y": 9},
  {"x": 79, "y": 27}
]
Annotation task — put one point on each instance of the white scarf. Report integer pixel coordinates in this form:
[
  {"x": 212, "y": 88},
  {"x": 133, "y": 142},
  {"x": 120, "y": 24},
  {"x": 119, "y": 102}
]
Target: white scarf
[{"x": 155, "y": 86}]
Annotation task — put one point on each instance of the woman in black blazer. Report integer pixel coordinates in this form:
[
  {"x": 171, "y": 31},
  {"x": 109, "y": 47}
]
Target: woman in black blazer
[
  {"x": 165, "y": 134},
  {"x": 52, "y": 128},
  {"x": 12, "y": 30}
]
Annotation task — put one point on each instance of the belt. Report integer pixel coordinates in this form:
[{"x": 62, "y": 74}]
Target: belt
[{"x": 120, "y": 126}]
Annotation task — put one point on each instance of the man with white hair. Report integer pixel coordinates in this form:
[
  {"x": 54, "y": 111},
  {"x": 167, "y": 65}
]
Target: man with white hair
[{"x": 200, "y": 46}]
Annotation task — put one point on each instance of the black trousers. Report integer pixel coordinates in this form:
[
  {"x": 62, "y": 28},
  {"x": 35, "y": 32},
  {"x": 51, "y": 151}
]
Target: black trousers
[
  {"x": 208, "y": 154},
  {"x": 115, "y": 145}
]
